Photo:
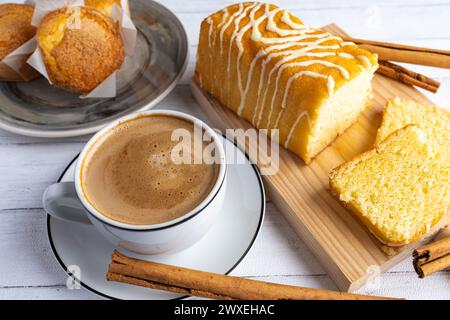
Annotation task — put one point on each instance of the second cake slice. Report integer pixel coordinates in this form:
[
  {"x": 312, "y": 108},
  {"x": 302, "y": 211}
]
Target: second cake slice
[{"x": 399, "y": 190}]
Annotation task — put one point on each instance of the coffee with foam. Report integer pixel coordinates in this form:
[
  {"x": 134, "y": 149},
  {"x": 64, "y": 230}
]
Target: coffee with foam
[{"x": 128, "y": 174}]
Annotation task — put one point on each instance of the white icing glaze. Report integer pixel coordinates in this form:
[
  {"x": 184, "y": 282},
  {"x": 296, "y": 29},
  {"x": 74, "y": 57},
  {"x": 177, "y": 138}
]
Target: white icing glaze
[
  {"x": 365, "y": 61},
  {"x": 294, "y": 126},
  {"x": 210, "y": 21},
  {"x": 236, "y": 18},
  {"x": 286, "y": 18},
  {"x": 291, "y": 54},
  {"x": 288, "y": 86},
  {"x": 306, "y": 63},
  {"x": 330, "y": 84},
  {"x": 225, "y": 24},
  {"x": 241, "y": 50},
  {"x": 225, "y": 15},
  {"x": 237, "y": 21},
  {"x": 345, "y": 55}
]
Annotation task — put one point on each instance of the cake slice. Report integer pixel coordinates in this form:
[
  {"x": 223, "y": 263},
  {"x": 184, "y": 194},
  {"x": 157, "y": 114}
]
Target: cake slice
[
  {"x": 434, "y": 121},
  {"x": 268, "y": 67},
  {"x": 399, "y": 190}
]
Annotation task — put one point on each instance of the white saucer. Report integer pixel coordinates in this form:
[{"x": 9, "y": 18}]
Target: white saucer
[{"x": 219, "y": 251}]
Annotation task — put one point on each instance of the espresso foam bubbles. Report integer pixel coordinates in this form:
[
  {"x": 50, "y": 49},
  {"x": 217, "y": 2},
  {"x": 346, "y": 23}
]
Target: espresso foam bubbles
[{"x": 129, "y": 176}]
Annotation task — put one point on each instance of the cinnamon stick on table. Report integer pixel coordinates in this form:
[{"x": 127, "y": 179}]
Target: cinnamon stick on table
[
  {"x": 432, "y": 257},
  {"x": 216, "y": 286},
  {"x": 404, "y": 53},
  {"x": 406, "y": 76}
]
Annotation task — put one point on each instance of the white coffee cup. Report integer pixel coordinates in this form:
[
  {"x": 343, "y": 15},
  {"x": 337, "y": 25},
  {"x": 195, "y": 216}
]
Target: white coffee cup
[{"x": 65, "y": 200}]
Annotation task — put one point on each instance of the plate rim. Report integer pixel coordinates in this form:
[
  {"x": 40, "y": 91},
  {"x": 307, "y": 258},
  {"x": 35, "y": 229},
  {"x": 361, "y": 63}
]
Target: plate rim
[
  {"x": 238, "y": 262},
  {"x": 55, "y": 134}
]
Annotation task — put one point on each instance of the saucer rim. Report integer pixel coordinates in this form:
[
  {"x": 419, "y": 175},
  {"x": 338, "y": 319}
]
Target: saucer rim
[{"x": 244, "y": 254}]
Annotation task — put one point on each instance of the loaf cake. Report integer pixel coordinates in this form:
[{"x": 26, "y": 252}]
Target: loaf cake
[
  {"x": 434, "y": 121},
  {"x": 80, "y": 46},
  {"x": 272, "y": 70},
  {"x": 399, "y": 190}
]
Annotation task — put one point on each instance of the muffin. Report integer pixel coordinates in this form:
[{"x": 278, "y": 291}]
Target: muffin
[
  {"x": 80, "y": 47},
  {"x": 15, "y": 26},
  {"x": 16, "y": 29},
  {"x": 104, "y": 6}
]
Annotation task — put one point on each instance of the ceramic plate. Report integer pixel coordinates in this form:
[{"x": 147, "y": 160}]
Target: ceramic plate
[
  {"x": 219, "y": 251},
  {"x": 37, "y": 109}
]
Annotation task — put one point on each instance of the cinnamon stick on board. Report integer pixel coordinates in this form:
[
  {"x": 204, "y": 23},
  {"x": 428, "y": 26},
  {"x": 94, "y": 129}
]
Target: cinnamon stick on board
[
  {"x": 407, "y": 76},
  {"x": 432, "y": 257},
  {"x": 216, "y": 286},
  {"x": 404, "y": 53}
]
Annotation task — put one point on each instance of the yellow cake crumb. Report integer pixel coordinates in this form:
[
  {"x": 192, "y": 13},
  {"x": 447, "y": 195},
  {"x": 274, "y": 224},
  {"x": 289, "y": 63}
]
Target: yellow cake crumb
[{"x": 399, "y": 189}]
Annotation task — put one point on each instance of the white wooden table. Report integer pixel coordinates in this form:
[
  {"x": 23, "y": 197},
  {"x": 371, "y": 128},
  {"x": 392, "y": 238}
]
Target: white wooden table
[{"x": 28, "y": 269}]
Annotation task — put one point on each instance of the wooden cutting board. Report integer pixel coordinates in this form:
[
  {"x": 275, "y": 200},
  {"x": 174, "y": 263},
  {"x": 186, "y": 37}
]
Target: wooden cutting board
[{"x": 344, "y": 247}]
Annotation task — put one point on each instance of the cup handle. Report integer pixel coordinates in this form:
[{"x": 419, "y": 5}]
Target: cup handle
[{"x": 61, "y": 201}]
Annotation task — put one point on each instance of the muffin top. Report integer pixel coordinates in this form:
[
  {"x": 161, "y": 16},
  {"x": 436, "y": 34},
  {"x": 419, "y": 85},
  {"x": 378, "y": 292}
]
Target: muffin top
[
  {"x": 103, "y": 6},
  {"x": 15, "y": 26},
  {"x": 80, "y": 46}
]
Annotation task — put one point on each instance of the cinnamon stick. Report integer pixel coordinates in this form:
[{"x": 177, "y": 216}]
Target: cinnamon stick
[
  {"x": 216, "y": 286},
  {"x": 405, "y": 53},
  {"x": 432, "y": 257},
  {"x": 433, "y": 266},
  {"x": 432, "y": 250},
  {"x": 407, "y": 76}
]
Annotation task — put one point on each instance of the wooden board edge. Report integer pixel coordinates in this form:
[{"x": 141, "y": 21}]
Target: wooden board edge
[{"x": 326, "y": 261}]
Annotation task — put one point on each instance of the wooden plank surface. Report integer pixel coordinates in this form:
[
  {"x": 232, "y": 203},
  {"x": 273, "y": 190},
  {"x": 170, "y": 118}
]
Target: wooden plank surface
[
  {"x": 345, "y": 248},
  {"x": 27, "y": 165}
]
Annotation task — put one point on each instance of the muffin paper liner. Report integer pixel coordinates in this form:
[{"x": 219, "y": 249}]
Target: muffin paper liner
[
  {"x": 106, "y": 89},
  {"x": 13, "y": 67}
]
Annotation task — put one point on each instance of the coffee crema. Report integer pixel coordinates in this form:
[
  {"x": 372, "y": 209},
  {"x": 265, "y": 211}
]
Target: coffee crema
[{"x": 128, "y": 174}]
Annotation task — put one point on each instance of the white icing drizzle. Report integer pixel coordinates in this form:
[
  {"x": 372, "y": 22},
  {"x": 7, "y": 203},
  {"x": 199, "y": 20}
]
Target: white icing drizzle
[
  {"x": 236, "y": 17},
  {"x": 273, "y": 27},
  {"x": 225, "y": 24},
  {"x": 211, "y": 25},
  {"x": 294, "y": 126},
  {"x": 306, "y": 63},
  {"x": 210, "y": 21},
  {"x": 225, "y": 15},
  {"x": 345, "y": 55},
  {"x": 286, "y": 18},
  {"x": 365, "y": 61},
  {"x": 330, "y": 84},
  {"x": 291, "y": 54},
  {"x": 241, "y": 50},
  {"x": 237, "y": 21},
  {"x": 347, "y": 43},
  {"x": 288, "y": 86}
]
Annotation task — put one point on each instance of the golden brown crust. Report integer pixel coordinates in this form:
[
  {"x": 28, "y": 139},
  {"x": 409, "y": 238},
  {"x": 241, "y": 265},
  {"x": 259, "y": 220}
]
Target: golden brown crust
[
  {"x": 81, "y": 47},
  {"x": 277, "y": 83},
  {"x": 104, "y": 6},
  {"x": 15, "y": 26}
]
